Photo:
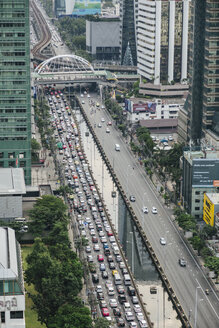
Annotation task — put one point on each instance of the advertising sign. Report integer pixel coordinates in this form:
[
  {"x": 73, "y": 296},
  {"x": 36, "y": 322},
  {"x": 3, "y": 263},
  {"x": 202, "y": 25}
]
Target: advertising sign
[
  {"x": 205, "y": 172},
  {"x": 87, "y": 7},
  {"x": 208, "y": 211},
  {"x": 148, "y": 107}
]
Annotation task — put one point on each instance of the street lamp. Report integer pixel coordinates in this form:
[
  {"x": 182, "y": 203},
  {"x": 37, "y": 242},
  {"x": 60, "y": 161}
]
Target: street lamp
[
  {"x": 196, "y": 305},
  {"x": 127, "y": 179},
  {"x": 143, "y": 206}
]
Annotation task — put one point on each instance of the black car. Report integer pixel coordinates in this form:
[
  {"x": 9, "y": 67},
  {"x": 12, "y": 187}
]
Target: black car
[
  {"x": 131, "y": 291},
  {"x": 117, "y": 312},
  {"x": 95, "y": 278},
  {"x": 112, "y": 266},
  {"x": 120, "y": 322},
  {"x": 122, "y": 299}
]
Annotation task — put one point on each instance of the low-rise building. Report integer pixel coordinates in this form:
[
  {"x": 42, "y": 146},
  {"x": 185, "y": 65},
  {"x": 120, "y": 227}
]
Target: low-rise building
[
  {"x": 200, "y": 173},
  {"x": 12, "y": 296},
  {"x": 102, "y": 39},
  {"x": 12, "y": 188},
  {"x": 211, "y": 207},
  {"x": 138, "y": 109}
]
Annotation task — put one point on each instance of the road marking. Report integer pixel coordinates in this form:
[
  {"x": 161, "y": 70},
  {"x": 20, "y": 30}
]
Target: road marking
[{"x": 207, "y": 298}]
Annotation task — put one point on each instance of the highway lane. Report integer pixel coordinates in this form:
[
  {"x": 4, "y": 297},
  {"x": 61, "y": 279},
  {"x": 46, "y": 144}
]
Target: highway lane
[{"x": 185, "y": 281}]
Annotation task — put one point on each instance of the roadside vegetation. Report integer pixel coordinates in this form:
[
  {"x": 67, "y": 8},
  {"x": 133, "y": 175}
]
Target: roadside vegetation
[
  {"x": 73, "y": 33},
  {"x": 48, "y": 5},
  {"x": 54, "y": 269},
  {"x": 199, "y": 240}
]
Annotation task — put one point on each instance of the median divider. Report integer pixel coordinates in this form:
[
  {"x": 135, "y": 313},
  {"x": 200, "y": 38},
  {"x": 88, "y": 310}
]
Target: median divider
[{"x": 180, "y": 312}]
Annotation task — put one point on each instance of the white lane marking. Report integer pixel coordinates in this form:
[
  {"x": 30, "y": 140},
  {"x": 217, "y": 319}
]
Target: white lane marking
[{"x": 207, "y": 298}]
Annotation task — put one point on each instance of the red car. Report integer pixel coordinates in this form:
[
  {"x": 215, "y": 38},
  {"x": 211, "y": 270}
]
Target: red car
[
  {"x": 105, "y": 312},
  {"x": 109, "y": 123},
  {"x": 100, "y": 258},
  {"x": 109, "y": 233}
]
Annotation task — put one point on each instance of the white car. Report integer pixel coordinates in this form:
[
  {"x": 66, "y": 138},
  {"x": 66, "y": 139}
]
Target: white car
[
  {"x": 83, "y": 102},
  {"x": 144, "y": 209},
  {"x": 82, "y": 95},
  {"x": 102, "y": 119},
  {"x": 129, "y": 316},
  {"x": 113, "y": 303},
  {"x": 88, "y": 96},
  {"x": 163, "y": 241},
  {"x": 137, "y": 308},
  {"x": 133, "y": 325},
  {"x": 111, "y": 291},
  {"x": 140, "y": 316},
  {"x": 107, "y": 130},
  {"x": 127, "y": 306},
  {"x": 170, "y": 138},
  {"x": 99, "y": 125},
  {"x": 143, "y": 323},
  {"x": 99, "y": 289},
  {"x": 88, "y": 249},
  {"x": 154, "y": 210}
]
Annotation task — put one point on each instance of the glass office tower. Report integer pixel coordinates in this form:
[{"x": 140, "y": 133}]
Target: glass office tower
[
  {"x": 15, "y": 97},
  {"x": 203, "y": 99}
]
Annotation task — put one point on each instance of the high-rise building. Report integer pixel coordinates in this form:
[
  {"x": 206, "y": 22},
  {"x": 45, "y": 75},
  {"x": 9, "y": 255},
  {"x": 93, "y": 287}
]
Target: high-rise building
[
  {"x": 162, "y": 40},
  {"x": 203, "y": 99},
  {"x": 15, "y": 98},
  {"x": 128, "y": 32}
]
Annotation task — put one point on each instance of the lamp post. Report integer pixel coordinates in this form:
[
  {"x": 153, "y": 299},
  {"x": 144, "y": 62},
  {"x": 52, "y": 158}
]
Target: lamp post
[
  {"x": 196, "y": 305},
  {"x": 143, "y": 206},
  {"x": 127, "y": 179}
]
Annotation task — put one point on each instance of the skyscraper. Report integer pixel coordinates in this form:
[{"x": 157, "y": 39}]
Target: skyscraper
[
  {"x": 128, "y": 32},
  {"x": 15, "y": 99},
  {"x": 203, "y": 99},
  {"x": 162, "y": 40}
]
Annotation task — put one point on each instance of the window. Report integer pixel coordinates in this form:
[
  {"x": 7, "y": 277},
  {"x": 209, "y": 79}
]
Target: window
[
  {"x": 2, "y": 317},
  {"x": 197, "y": 208},
  {"x": 1, "y": 155},
  {"x": 16, "y": 315},
  {"x": 197, "y": 201},
  {"x": 197, "y": 192},
  {"x": 11, "y": 155}
]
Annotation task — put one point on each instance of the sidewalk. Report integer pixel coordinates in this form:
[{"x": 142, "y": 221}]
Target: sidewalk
[{"x": 44, "y": 174}]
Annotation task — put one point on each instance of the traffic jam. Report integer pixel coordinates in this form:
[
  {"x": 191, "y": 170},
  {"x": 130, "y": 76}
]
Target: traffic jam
[{"x": 114, "y": 291}]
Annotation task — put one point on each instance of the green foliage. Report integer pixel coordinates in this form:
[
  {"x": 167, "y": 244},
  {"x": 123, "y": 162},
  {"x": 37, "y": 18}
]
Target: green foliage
[
  {"x": 208, "y": 231},
  {"x": 35, "y": 145},
  {"x": 64, "y": 190},
  {"x": 48, "y": 5},
  {"x": 115, "y": 110},
  {"x": 212, "y": 262},
  {"x": 71, "y": 316},
  {"x": 144, "y": 138},
  {"x": 102, "y": 323},
  {"x": 205, "y": 252},
  {"x": 186, "y": 221},
  {"x": 73, "y": 32},
  {"x": 197, "y": 243},
  {"x": 47, "y": 211}
]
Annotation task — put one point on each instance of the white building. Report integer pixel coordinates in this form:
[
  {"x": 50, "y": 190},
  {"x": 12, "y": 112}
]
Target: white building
[
  {"x": 12, "y": 297},
  {"x": 162, "y": 40},
  {"x": 138, "y": 110}
]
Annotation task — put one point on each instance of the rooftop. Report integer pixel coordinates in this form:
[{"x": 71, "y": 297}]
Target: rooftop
[
  {"x": 8, "y": 254},
  {"x": 214, "y": 198},
  {"x": 12, "y": 181},
  {"x": 159, "y": 123}
]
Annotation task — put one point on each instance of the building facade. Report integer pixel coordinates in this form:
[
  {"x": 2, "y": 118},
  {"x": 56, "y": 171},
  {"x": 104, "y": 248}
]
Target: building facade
[
  {"x": 15, "y": 97},
  {"x": 102, "y": 39},
  {"x": 203, "y": 99},
  {"x": 12, "y": 296},
  {"x": 162, "y": 40},
  {"x": 128, "y": 32},
  {"x": 200, "y": 171}
]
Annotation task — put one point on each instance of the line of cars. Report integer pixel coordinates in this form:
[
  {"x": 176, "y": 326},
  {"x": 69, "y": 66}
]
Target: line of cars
[{"x": 109, "y": 273}]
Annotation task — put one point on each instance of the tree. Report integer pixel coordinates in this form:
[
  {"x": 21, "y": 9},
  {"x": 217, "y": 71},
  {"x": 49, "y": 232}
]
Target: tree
[
  {"x": 208, "y": 231},
  {"x": 197, "y": 243},
  {"x": 35, "y": 145},
  {"x": 102, "y": 323},
  {"x": 45, "y": 213},
  {"x": 212, "y": 262},
  {"x": 71, "y": 316}
]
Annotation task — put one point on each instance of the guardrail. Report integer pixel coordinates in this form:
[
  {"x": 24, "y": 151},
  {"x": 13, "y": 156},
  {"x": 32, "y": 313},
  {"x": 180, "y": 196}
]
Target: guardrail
[{"x": 181, "y": 313}]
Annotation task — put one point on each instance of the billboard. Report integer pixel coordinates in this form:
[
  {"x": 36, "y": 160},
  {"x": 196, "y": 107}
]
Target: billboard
[
  {"x": 86, "y": 7},
  {"x": 204, "y": 172},
  {"x": 208, "y": 211},
  {"x": 148, "y": 107}
]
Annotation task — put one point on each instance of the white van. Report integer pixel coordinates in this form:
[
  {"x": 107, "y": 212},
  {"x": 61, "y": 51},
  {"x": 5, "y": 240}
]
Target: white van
[
  {"x": 117, "y": 147},
  {"x": 127, "y": 280},
  {"x": 117, "y": 279}
]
